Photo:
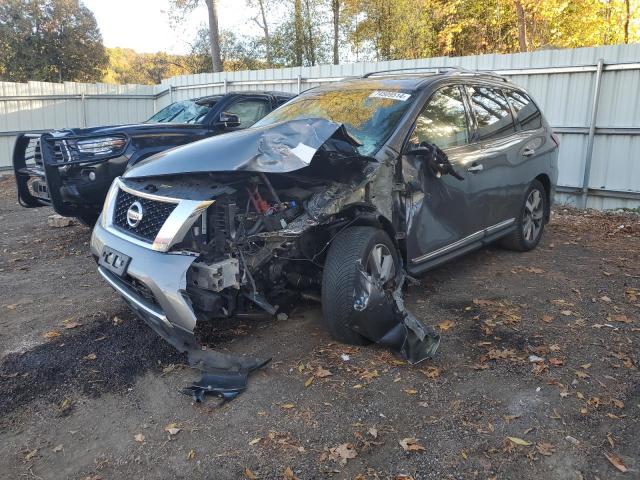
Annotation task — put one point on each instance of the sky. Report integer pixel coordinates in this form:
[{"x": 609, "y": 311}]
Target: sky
[{"x": 143, "y": 25}]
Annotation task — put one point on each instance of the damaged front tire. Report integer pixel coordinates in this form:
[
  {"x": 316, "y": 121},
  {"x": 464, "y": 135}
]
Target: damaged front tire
[{"x": 367, "y": 246}]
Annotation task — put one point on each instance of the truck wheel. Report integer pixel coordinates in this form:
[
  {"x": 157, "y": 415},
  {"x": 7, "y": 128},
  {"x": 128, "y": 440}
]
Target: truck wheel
[
  {"x": 369, "y": 245},
  {"x": 530, "y": 222},
  {"x": 88, "y": 218}
]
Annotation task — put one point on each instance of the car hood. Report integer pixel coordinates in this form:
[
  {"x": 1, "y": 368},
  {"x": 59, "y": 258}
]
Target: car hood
[
  {"x": 280, "y": 147},
  {"x": 129, "y": 129}
]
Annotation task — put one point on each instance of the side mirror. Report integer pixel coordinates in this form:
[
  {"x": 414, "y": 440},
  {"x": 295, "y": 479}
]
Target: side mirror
[{"x": 228, "y": 120}]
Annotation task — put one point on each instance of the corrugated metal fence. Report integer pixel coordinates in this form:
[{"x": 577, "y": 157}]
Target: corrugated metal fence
[{"x": 591, "y": 96}]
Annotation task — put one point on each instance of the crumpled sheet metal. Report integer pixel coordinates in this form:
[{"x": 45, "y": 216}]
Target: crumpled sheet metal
[
  {"x": 380, "y": 316},
  {"x": 277, "y": 148}
]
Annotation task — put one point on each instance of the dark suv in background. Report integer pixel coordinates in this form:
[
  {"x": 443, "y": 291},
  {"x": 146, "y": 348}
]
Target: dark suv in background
[
  {"x": 72, "y": 169},
  {"x": 337, "y": 195}
]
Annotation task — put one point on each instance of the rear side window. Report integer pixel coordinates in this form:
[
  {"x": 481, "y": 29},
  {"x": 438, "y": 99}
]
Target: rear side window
[
  {"x": 443, "y": 120},
  {"x": 492, "y": 112},
  {"x": 249, "y": 111},
  {"x": 527, "y": 114}
]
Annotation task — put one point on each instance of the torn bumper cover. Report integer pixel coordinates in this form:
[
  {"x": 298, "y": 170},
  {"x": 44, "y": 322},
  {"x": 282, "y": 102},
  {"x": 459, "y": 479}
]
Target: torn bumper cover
[
  {"x": 162, "y": 307},
  {"x": 379, "y": 315}
]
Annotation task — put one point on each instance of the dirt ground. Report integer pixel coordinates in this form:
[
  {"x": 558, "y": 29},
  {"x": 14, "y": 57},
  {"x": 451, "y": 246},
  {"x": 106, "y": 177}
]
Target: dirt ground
[{"x": 536, "y": 376}]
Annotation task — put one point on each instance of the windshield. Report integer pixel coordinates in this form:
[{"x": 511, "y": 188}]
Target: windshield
[
  {"x": 369, "y": 115},
  {"x": 187, "y": 111}
]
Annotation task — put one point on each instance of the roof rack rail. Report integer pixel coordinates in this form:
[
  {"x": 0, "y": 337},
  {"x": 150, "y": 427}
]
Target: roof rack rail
[{"x": 451, "y": 70}]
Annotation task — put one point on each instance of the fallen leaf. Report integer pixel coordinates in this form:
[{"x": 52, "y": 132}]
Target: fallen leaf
[
  {"x": 322, "y": 373},
  {"x": 308, "y": 382},
  {"x": 446, "y": 325},
  {"x": 566, "y": 313},
  {"x": 91, "y": 356},
  {"x": 616, "y": 462},
  {"x": 287, "y": 406},
  {"x": 342, "y": 453},
  {"x": 358, "y": 386},
  {"x": 57, "y": 448},
  {"x": 547, "y": 318},
  {"x": 410, "y": 391},
  {"x": 431, "y": 372},
  {"x": 581, "y": 374},
  {"x": 535, "y": 270},
  {"x": 288, "y": 474},
  {"x": 117, "y": 320},
  {"x": 545, "y": 449},
  {"x": 255, "y": 441},
  {"x": 31, "y": 454},
  {"x": 139, "y": 437},
  {"x": 619, "y": 318},
  {"x": 249, "y": 475},
  {"x": 519, "y": 441},
  {"x": 373, "y": 431},
  {"x": 411, "y": 444},
  {"x": 605, "y": 299},
  {"x": 172, "y": 429},
  {"x": 556, "y": 362},
  {"x": 617, "y": 403},
  {"x": 51, "y": 334},
  {"x": 191, "y": 455}
]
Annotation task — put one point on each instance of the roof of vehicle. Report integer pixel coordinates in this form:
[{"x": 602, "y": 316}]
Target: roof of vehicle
[
  {"x": 245, "y": 92},
  {"x": 415, "y": 78}
]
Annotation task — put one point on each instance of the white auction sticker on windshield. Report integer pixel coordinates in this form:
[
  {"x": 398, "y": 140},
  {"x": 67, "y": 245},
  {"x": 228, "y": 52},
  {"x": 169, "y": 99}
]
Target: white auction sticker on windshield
[{"x": 403, "y": 97}]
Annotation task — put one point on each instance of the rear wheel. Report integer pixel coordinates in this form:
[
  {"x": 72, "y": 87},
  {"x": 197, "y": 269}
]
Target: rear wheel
[
  {"x": 530, "y": 223},
  {"x": 374, "y": 249}
]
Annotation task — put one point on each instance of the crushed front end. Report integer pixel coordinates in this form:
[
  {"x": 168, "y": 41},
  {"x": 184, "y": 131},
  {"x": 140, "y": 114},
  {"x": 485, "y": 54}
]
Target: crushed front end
[{"x": 189, "y": 249}]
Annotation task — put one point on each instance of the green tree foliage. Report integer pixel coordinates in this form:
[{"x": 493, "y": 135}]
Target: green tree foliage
[{"x": 49, "y": 40}]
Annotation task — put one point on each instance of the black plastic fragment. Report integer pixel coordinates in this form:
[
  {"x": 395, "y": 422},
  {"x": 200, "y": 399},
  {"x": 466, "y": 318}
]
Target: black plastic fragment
[
  {"x": 379, "y": 315},
  {"x": 223, "y": 383}
]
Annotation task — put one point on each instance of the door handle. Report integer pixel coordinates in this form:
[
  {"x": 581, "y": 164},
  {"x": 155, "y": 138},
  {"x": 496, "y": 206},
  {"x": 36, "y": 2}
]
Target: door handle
[
  {"x": 528, "y": 152},
  {"x": 475, "y": 167}
]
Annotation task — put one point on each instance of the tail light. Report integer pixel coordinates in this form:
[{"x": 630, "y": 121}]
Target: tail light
[{"x": 555, "y": 138}]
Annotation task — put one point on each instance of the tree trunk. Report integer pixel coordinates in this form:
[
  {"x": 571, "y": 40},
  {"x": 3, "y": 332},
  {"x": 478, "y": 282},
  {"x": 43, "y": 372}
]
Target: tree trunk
[
  {"x": 310, "y": 43},
  {"x": 335, "y": 6},
  {"x": 214, "y": 35},
  {"x": 522, "y": 26},
  {"x": 298, "y": 42},
  {"x": 265, "y": 29},
  {"x": 626, "y": 21}
]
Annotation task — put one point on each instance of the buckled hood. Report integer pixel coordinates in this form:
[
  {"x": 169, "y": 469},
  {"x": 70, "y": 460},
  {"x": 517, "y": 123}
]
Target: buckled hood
[{"x": 277, "y": 148}]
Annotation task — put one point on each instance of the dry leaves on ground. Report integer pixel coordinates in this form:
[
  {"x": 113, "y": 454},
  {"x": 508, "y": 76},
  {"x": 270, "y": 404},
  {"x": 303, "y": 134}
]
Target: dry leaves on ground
[
  {"x": 411, "y": 444},
  {"x": 342, "y": 453}
]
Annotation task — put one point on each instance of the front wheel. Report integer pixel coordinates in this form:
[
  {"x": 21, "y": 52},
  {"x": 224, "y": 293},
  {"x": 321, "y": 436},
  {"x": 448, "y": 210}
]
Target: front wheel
[
  {"x": 88, "y": 218},
  {"x": 530, "y": 222},
  {"x": 373, "y": 248}
]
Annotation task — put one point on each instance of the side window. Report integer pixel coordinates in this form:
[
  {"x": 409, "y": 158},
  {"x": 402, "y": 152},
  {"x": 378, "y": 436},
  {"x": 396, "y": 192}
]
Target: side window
[
  {"x": 443, "y": 120},
  {"x": 249, "y": 111},
  {"x": 527, "y": 114},
  {"x": 492, "y": 112}
]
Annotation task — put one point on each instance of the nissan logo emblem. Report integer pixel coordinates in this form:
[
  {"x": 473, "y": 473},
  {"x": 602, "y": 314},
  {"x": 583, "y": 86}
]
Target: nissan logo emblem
[{"x": 135, "y": 214}]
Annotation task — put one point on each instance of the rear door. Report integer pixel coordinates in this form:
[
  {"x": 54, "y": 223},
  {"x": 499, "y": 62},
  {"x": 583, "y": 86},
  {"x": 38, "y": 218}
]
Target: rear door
[
  {"x": 495, "y": 171},
  {"x": 440, "y": 212}
]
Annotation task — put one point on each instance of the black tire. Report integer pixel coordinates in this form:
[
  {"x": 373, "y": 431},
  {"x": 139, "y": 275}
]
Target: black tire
[
  {"x": 88, "y": 219},
  {"x": 517, "y": 240},
  {"x": 338, "y": 279}
]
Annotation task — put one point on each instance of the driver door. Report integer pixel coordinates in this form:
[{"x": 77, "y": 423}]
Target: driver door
[{"x": 442, "y": 216}]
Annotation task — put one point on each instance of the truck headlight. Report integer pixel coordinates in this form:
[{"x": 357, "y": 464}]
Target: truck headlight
[{"x": 101, "y": 146}]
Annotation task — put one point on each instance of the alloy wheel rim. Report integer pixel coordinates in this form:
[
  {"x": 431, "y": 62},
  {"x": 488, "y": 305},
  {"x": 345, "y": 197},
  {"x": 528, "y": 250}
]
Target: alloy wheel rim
[
  {"x": 380, "y": 263},
  {"x": 533, "y": 216}
]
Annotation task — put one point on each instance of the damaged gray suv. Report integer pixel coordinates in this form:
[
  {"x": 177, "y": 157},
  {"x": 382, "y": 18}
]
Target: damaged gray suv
[{"x": 338, "y": 195}]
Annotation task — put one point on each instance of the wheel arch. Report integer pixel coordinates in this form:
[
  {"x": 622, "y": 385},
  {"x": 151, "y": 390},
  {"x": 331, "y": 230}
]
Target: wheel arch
[{"x": 544, "y": 179}]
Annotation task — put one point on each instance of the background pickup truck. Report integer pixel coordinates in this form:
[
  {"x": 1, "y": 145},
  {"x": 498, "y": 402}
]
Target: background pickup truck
[{"x": 71, "y": 170}]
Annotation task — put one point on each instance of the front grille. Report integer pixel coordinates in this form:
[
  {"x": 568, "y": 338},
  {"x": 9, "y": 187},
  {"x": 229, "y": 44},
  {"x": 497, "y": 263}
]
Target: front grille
[
  {"x": 154, "y": 215},
  {"x": 33, "y": 152}
]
